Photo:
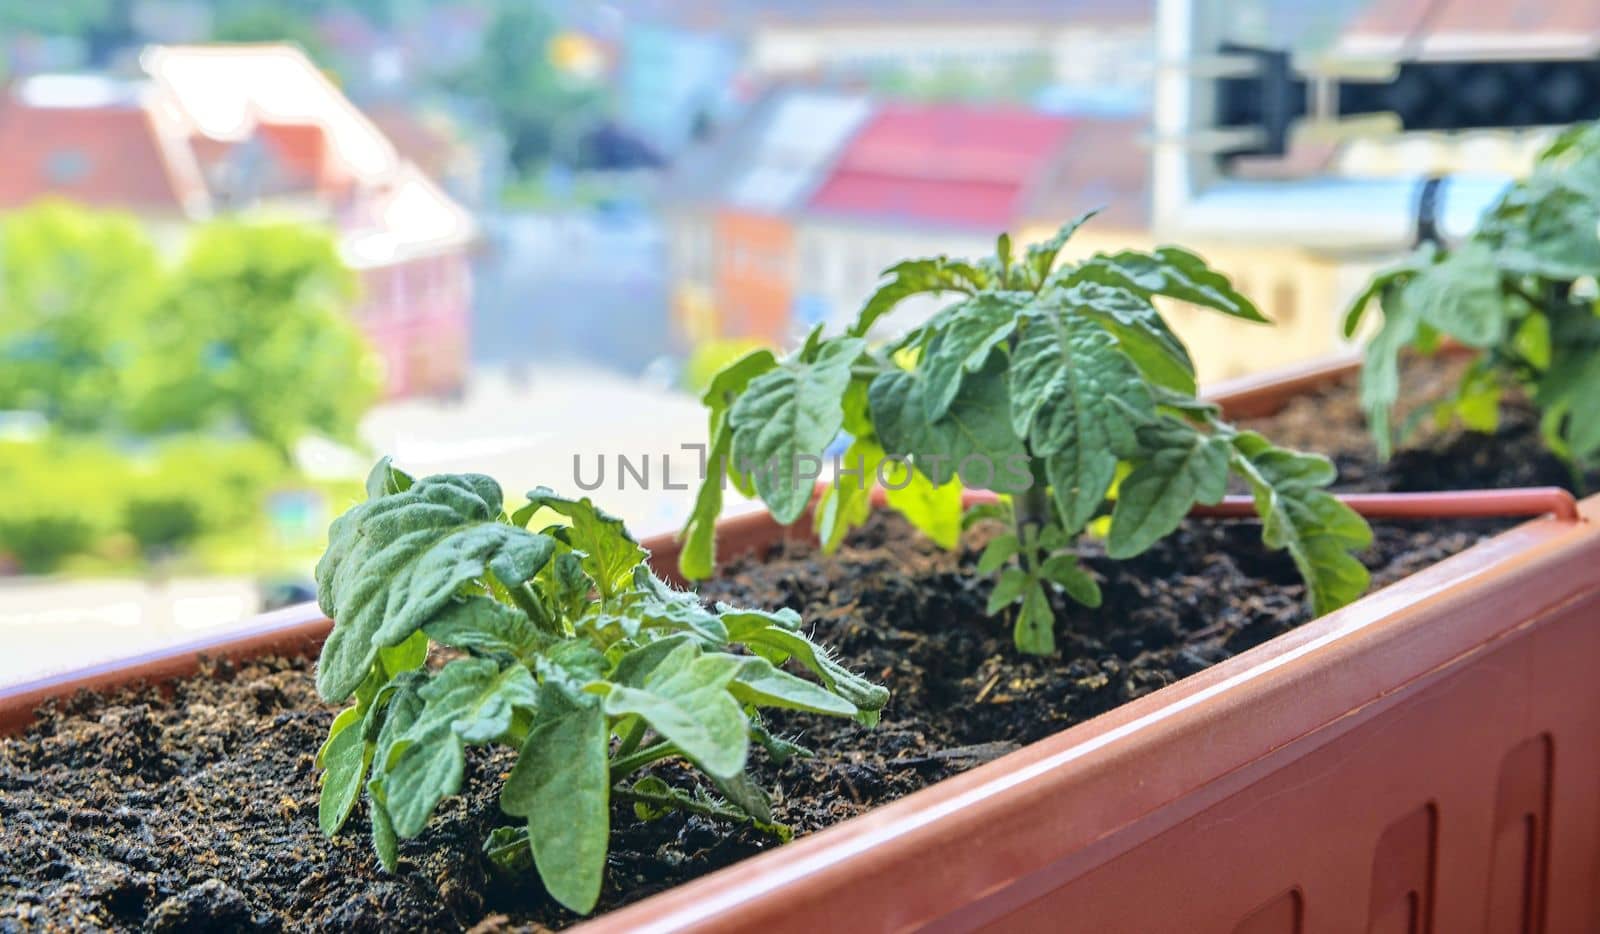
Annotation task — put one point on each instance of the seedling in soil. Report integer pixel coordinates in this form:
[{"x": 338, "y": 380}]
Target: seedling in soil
[
  {"x": 564, "y": 647},
  {"x": 1064, "y": 389},
  {"x": 1521, "y": 292}
]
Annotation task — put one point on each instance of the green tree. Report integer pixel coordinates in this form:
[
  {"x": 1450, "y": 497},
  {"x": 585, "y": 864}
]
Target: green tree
[
  {"x": 254, "y": 334},
  {"x": 539, "y": 109},
  {"x": 264, "y": 22},
  {"x": 78, "y": 290}
]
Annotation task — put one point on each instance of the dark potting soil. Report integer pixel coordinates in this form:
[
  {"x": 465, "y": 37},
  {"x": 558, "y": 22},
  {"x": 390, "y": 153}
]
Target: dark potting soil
[{"x": 195, "y": 808}]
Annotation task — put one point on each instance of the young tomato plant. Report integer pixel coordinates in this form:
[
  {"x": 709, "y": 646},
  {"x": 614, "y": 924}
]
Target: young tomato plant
[
  {"x": 1520, "y": 291},
  {"x": 566, "y": 648},
  {"x": 1062, "y": 388}
]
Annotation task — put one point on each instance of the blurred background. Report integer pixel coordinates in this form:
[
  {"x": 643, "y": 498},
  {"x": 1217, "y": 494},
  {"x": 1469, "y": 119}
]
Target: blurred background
[{"x": 246, "y": 246}]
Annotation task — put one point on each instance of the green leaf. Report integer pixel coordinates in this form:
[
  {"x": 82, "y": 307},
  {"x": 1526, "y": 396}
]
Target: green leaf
[
  {"x": 964, "y": 343},
  {"x": 385, "y": 479},
  {"x": 777, "y": 644},
  {"x": 1065, "y": 571},
  {"x": 935, "y": 511},
  {"x": 743, "y": 793},
  {"x": 1008, "y": 588},
  {"x": 1461, "y": 296},
  {"x": 977, "y": 427},
  {"x": 394, "y": 563},
  {"x": 1077, "y": 400},
  {"x": 848, "y": 500},
  {"x": 486, "y": 626},
  {"x": 997, "y": 552},
  {"x": 1317, "y": 530},
  {"x": 561, "y": 784},
  {"x": 473, "y": 698},
  {"x": 697, "y": 557},
  {"x": 1071, "y": 385},
  {"x": 657, "y": 606},
  {"x": 345, "y": 757},
  {"x": 1170, "y": 271},
  {"x": 759, "y": 684},
  {"x": 420, "y": 773},
  {"x": 1041, "y": 257},
  {"x": 685, "y": 698},
  {"x": 1139, "y": 330},
  {"x": 1183, "y": 466},
  {"x": 610, "y": 553},
  {"x": 788, "y": 414},
  {"x": 384, "y": 842},
  {"x": 1380, "y": 374},
  {"x": 917, "y": 277},
  {"x": 1036, "y": 623}
]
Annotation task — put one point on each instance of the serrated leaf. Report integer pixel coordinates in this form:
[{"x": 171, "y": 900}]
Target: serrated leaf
[
  {"x": 1065, "y": 571},
  {"x": 778, "y": 644},
  {"x": 1318, "y": 531},
  {"x": 965, "y": 339},
  {"x": 743, "y": 793},
  {"x": 918, "y": 277},
  {"x": 1183, "y": 466},
  {"x": 473, "y": 698},
  {"x": 657, "y": 606},
  {"x": 972, "y": 442},
  {"x": 1041, "y": 257},
  {"x": 486, "y": 627},
  {"x": 787, "y": 414},
  {"x": 1008, "y": 588},
  {"x": 420, "y": 773},
  {"x": 1139, "y": 330},
  {"x": 1170, "y": 271},
  {"x": 997, "y": 552},
  {"x": 395, "y": 562},
  {"x": 609, "y": 552},
  {"x": 561, "y": 784},
  {"x": 685, "y": 698},
  {"x": 1036, "y": 623},
  {"x": 761, "y": 684},
  {"x": 1070, "y": 384},
  {"x": 1460, "y": 296},
  {"x": 1077, "y": 399}
]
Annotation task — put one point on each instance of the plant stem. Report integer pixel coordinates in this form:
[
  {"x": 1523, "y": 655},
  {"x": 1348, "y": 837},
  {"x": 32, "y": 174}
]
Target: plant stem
[
  {"x": 630, "y": 739},
  {"x": 683, "y": 803},
  {"x": 623, "y": 766},
  {"x": 524, "y": 597}
]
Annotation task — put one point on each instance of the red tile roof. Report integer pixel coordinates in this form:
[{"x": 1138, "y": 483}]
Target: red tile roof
[
  {"x": 942, "y": 164},
  {"x": 107, "y": 156}
]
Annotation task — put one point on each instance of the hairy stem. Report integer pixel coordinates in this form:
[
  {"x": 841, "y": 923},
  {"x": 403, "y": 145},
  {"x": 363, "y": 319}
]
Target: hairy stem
[
  {"x": 681, "y": 803},
  {"x": 632, "y": 738},
  {"x": 623, "y": 766}
]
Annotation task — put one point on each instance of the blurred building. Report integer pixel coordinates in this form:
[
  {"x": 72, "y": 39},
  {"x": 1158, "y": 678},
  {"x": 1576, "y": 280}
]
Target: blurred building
[
  {"x": 257, "y": 129},
  {"x": 789, "y": 217},
  {"x": 685, "y": 61}
]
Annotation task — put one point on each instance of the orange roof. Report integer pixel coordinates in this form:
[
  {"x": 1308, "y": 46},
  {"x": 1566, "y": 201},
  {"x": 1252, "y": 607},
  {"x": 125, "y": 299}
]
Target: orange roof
[{"x": 103, "y": 155}]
